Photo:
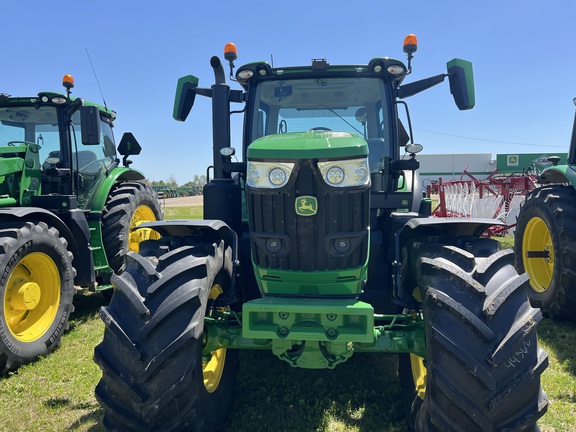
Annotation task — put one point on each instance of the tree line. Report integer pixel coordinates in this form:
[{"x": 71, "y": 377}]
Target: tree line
[{"x": 198, "y": 181}]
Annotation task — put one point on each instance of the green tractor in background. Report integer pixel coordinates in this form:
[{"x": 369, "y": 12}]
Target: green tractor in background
[
  {"x": 545, "y": 237},
  {"x": 67, "y": 209},
  {"x": 316, "y": 245}
]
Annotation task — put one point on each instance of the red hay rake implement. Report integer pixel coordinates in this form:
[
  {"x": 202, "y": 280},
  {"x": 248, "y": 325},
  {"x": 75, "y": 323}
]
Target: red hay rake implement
[{"x": 496, "y": 197}]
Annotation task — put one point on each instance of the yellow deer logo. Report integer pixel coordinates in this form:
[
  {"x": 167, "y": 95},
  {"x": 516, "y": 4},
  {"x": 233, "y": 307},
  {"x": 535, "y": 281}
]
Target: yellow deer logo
[{"x": 306, "y": 206}]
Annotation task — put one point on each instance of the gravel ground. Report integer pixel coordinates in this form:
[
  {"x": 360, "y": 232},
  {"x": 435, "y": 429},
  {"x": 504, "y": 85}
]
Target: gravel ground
[{"x": 182, "y": 201}]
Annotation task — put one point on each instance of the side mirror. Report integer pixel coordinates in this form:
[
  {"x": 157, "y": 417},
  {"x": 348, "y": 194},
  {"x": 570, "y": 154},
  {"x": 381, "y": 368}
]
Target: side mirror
[
  {"x": 185, "y": 95},
  {"x": 461, "y": 83},
  {"x": 90, "y": 125},
  {"x": 128, "y": 146}
]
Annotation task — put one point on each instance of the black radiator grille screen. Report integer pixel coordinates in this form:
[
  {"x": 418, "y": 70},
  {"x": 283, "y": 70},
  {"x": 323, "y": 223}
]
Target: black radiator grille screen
[{"x": 281, "y": 239}]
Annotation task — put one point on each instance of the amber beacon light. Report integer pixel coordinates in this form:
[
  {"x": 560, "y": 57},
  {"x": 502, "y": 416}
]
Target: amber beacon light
[{"x": 410, "y": 44}]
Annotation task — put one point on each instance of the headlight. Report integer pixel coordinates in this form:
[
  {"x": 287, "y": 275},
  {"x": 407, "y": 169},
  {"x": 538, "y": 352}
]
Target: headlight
[
  {"x": 345, "y": 173},
  {"x": 268, "y": 175},
  {"x": 334, "y": 176}
]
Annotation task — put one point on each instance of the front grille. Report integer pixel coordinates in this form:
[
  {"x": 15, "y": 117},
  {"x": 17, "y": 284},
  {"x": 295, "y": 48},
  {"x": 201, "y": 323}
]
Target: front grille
[{"x": 283, "y": 240}]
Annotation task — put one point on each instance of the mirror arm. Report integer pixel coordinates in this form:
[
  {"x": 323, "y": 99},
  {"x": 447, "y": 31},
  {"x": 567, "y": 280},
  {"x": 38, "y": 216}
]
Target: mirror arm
[
  {"x": 415, "y": 87},
  {"x": 237, "y": 96},
  {"x": 204, "y": 91},
  {"x": 125, "y": 161}
]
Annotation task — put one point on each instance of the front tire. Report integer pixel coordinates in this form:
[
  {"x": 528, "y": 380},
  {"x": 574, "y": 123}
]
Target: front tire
[
  {"x": 545, "y": 246},
  {"x": 129, "y": 204},
  {"x": 483, "y": 364},
  {"x": 155, "y": 376},
  {"x": 36, "y": 292}
]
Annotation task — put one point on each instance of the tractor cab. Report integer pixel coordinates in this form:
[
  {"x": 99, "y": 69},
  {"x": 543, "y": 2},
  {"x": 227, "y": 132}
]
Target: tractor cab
[{"x": 63, "y": 146}]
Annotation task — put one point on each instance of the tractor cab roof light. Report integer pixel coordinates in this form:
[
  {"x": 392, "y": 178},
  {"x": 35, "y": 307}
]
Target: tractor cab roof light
[
  {"x": 68, "y": 83},
  {"x": 396, "y": 69},
  {"x": 58, "y": 100},
  {"x": 245, "y": 74},
  {"x": 410, "y": 44},
  {"x": 410, "y": 47},
  {"x": 231, "y": 54},
  {"x": 248, "y": 71},
  {"x": 230, "y": 51}
]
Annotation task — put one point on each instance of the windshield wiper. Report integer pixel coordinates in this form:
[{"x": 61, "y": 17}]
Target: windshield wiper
[{"x": 347, "y": 122}]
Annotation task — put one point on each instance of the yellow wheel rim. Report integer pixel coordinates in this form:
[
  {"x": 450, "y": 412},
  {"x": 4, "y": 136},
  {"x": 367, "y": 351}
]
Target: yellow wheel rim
[
  {"x": 212, "y": 369},
  {"x": 537, "y": 238},
  {"x": 418, "y": 374},
  {"x": 32, "y": 296},
  {"x": 142, "y": 214}
]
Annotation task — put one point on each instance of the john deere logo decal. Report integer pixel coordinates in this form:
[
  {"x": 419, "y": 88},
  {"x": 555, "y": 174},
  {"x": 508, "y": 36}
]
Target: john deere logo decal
[
  {"x": 306, "y": 206},
  {"x": 512, "y": 160}
]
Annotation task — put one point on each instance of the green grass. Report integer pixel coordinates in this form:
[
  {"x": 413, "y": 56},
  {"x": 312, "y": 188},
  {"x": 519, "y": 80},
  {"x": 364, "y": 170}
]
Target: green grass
[
  {"x": 172, "y": 213},
  {"x": 559, "y": 380},
  {"x": 506, "y": 242},
  {"x": 56, "y": 393}
]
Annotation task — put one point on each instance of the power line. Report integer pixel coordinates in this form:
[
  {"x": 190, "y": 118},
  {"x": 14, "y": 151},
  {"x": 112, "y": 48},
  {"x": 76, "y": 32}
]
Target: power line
[{"x": 489, "y": 140}]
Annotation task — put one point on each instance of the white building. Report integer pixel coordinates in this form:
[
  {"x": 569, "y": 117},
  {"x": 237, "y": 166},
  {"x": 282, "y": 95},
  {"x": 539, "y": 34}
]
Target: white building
[{"x": 451, "y": 166}]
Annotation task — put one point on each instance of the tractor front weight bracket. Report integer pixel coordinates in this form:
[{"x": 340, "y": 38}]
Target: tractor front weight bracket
[{"x": 310, "y": 334}]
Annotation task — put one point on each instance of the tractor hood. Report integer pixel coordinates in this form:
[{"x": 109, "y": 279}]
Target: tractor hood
[{"x": 312, "y": 144}]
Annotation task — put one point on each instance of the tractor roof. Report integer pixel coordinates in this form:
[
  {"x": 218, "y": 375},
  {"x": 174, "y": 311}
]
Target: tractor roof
[
  {"x": 251, "y": 73},
  {"x": 50, "y": 98}
]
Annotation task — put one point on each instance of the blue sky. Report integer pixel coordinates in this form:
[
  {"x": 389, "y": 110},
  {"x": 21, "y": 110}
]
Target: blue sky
[{"x": 523, "y": 55}]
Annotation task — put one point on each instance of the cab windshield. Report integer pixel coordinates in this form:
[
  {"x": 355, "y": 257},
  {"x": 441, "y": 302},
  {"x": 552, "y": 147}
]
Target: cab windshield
[
  {"x": 24, "y": 124},
  {"x": 355, "y": 105},
  {"x": 339, "y": 104}
]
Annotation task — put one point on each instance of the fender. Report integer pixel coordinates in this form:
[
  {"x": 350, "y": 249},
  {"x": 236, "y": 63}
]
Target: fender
[
  {"x": 115, "y": 176},
  {"x": 209, "y": 230},
  {"x": 426, "y": 227},
  {"x": 72, "y": 225},
  {"x": 94, "y": 215},
  {"x": 558, "y": 174}
]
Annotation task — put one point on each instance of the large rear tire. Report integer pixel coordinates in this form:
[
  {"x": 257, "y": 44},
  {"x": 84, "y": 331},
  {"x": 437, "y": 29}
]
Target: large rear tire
[
  {"x": 36, "y": 291},
  {"x": 545, "y": 246},
  {"x": 483, "y": 364},
  {"x": 155, "y": 376},
  {"x": 128, "y": 205}
]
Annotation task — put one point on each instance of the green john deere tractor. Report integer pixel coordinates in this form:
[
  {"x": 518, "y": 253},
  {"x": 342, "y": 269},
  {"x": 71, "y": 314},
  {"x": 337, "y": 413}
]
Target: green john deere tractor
[
  {"x": 66, "y": 213},
  {"x": 545, "y": 238},
  {"x": 315, "y": 245}
]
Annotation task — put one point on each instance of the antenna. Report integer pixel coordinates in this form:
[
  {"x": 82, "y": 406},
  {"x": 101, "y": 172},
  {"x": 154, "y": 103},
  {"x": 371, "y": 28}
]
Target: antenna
[
  {"x": 271, "y": 60},
  {"x": 96, "y": 76}
]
